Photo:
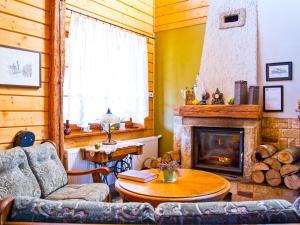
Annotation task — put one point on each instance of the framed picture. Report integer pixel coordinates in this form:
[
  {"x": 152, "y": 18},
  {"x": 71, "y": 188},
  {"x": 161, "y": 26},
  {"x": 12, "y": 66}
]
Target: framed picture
[
  {"x": 19, "y": 67},
  {"x": 279, "y": 71},
  {"x": 273, "y": 98}
]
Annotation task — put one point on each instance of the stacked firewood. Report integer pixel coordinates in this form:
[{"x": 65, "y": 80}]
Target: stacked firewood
[{"x": 277, "y": 167}]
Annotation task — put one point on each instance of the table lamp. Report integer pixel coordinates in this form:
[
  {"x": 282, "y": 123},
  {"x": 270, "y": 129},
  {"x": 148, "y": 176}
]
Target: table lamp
[{"x": 109, "y": 118}]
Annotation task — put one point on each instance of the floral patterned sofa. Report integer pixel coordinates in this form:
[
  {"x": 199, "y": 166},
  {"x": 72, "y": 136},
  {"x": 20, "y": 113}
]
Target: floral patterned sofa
[
  {"x": 37, "y": 171},
  {"x": 29, "y": 210}
]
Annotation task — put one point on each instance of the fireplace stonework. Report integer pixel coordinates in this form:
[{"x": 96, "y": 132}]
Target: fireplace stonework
[
  {"x": 280, "y": 132},
  {"x": 183, "y": 136}
]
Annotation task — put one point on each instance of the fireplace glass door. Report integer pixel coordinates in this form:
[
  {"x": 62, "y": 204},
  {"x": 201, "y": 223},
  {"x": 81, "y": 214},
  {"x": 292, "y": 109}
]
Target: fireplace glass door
[{"x": 218, "y": 150}]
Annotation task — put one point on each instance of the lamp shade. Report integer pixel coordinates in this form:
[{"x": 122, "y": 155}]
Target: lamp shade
[{"x": 109, "y": 118}]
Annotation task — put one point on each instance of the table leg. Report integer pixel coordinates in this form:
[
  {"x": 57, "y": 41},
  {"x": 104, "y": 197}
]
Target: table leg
[{"x": 123, "y": 165}]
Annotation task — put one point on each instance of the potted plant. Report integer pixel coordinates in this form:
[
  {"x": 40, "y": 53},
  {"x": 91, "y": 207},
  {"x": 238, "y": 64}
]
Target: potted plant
[{"x": 169, "y": 169}]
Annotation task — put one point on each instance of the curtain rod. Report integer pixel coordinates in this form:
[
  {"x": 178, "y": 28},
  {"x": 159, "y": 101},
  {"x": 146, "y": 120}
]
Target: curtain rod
[{"x": 123, "y": 28}]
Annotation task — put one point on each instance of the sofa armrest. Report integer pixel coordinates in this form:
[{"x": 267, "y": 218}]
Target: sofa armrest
[
  {"x": 51, "y": 142},
  {"x": 5, "y": 208},
  {"x": 95, "y": 173}
]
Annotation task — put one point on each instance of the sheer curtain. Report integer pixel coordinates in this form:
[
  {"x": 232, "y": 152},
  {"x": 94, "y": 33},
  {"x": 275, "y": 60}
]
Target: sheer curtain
[{"x": 107, "y": 67}]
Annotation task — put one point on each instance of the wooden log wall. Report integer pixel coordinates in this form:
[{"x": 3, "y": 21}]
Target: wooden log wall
[
  {"x": 172, "y": 14},
  {"x": 25, "y": 24},
  {"x": 135, "y": 15}
]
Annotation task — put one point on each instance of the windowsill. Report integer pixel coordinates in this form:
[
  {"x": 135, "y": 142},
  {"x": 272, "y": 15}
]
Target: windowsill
[{"x": 78, "y": 133}]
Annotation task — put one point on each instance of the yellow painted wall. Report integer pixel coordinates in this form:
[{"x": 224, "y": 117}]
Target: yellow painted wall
[{"x": 178, "y": 53}]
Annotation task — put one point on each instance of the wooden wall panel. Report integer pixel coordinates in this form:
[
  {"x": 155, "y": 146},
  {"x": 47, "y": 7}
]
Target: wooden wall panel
[
  {"x": 23, "y": 119},
  {"x": 25, "y": 11},
  {"x": 137, "y": 16},
  {"x": 172, "y": 14},
  {"x": 25, "y": 24},
  {"x": 118, "y": 12}
]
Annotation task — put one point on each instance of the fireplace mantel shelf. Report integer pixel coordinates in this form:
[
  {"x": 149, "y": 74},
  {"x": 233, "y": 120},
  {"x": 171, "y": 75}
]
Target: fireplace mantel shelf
[{"x": 220, "y": 111}]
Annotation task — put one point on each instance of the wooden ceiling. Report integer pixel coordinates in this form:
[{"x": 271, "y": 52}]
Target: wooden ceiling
[{"x": 172, "y": 14}]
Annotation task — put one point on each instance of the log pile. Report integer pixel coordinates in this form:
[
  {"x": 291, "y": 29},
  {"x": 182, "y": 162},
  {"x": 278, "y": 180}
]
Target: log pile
[{"x": 276, "y": 167}]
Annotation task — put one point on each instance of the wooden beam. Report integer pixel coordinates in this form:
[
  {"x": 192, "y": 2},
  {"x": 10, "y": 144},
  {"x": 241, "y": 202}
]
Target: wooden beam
[
  {"x": 62, "y": 72},
  {"x": 56, "y": 79},
  {"x": 220, "y": 111}
]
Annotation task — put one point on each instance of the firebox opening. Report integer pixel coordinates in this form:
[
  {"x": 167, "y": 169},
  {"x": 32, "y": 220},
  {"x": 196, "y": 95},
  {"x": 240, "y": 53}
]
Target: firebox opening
[{"x": 218, "y": 150}]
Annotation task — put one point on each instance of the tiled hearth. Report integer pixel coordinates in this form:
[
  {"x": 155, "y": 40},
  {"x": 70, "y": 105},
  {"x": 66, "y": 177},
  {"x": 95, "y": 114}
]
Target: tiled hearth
[{"x": 249, "y": 118}]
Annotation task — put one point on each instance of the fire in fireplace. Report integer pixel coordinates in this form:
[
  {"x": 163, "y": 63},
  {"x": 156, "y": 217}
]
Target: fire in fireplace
[{"x": 218, "y": 150}]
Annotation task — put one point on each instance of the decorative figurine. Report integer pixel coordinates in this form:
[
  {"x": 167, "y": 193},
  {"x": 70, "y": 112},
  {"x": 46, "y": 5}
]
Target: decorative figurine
[
  {"x": 67, "y": 129},
  {"x": 189, "y": 96},
  {"x": 205, "y": 95},
  {"x": 217, "y": 98}
]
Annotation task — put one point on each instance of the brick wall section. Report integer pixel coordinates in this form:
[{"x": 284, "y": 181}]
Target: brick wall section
[
  {"x": 280, "y": 132},
  {"x": 249, "y": 191}
]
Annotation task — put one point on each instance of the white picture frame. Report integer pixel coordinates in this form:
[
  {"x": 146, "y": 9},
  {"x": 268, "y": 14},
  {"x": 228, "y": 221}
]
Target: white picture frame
[{"x": 20, "y": 67}]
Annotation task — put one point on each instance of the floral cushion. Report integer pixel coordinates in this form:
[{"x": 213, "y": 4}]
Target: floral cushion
[
  {"x": 47, "y": 167},
  {"x": 40, "y": 210},
  {"x": 252, "y": 212},
  {"x": 84, "y": 192},
  {"x": 16, "y": 177}
]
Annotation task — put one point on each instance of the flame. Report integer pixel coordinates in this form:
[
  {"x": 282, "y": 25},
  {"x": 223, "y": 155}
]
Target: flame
[{"x": 222, "y": 159}]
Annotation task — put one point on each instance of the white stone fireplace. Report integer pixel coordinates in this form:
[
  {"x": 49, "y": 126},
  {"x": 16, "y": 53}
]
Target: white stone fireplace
[{"x": 186, "y": 118}]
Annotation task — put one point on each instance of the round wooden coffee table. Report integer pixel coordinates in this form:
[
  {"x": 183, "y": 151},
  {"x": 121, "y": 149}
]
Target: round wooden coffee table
[{"x": 191, "y": 186}]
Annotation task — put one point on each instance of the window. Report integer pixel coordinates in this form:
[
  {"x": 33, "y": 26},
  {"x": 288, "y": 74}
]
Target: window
[{"x": 107, "y": 68}]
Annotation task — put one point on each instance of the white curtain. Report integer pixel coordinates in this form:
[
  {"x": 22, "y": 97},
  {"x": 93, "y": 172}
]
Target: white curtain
[{"x": 107, "y": 67}]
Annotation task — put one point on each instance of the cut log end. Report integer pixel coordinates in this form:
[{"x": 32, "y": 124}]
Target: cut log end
[
  {"x": 289, "y": 169},
  {"x": 292, "y": 181},
  {"x": 289, "y": 155},
  {"x": 258, "y": 177},
  {"x": 273, "y": 163},
  {"x": 273, "y": 177},
  {"x": 260, "y": 166},
  {"x": 264, "y": 151}
]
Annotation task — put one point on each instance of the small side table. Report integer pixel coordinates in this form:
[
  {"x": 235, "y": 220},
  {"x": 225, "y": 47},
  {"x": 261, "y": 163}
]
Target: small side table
[{"x": 122, "y": 158}]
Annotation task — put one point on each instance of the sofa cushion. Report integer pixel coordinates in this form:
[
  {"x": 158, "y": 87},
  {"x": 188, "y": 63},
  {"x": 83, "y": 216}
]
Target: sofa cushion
[
  {"x": 297, "y": 205},
  {"x": 84, "y": 192},
  {"x": 41, "y": 210},
  {"x": 251, "y": 212},
  {"x": 47, "y": 167},
  {"x": 16, "y": 177}
]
